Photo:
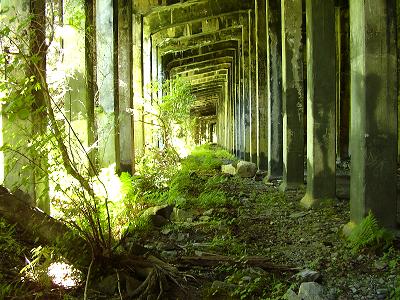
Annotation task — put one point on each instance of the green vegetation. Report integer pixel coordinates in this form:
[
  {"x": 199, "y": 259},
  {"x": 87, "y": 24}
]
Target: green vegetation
[{"x": 368, "y": 234}]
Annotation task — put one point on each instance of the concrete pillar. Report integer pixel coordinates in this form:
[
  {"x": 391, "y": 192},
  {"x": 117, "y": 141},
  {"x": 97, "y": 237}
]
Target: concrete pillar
[
  {"x": 91, "y": 83},
  {"x": 262, "y": 85},
  {"x": 342, "y": 81},
  {"x": 105, "y": 79},
  {"x": 321, "y": 123},
  {"x": 274, "y": 54},
  {"x": 292, "y": 94},
  {"x": 246, "y": 93},
  {"x": 125, "y": 95},
  {"x": 137, "y": 84},
  {"x": 253, "y": 87},
  {"x": 25, "y": 160},
  {"x": 374, "y": 90}
]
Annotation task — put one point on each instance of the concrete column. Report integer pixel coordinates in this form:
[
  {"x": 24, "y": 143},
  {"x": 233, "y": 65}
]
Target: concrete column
[
  {"x": 137, "y": 83},
  {"x": 373, "y": 110},
  {"x": 125, "y": 95},
  {"x": 320, "y": 102},
  {"x": 292, "y": 94},
  {"x": 105, "y": 77},
  {"x": 147, "y": 71},
  {"x": 342, "y": 81},
  {"x": 274, "y": 54},
  {"x": 262, "y": 85},
  {"x": 246, "y": 93},
  {"x": 253, "y": 87}
]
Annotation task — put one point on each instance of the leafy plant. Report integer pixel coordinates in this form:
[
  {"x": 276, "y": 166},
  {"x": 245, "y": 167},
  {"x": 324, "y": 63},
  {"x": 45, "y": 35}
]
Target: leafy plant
[
  {"x": 172, "y": 110},
  {"x": 368, "y": 233}
]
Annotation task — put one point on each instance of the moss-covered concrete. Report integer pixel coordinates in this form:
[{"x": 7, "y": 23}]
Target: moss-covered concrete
[
  {"x": 321, "y": 159},
  {"x": 373, "y": 111},
  {"x": 292, "y": 94},
  {"x": 274, "y": 65}
]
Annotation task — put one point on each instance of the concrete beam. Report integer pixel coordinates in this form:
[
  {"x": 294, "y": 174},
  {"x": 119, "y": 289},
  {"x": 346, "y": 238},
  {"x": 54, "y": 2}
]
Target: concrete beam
[
  {"x": 203, "y": 39},
  {"x": 201, "y": 64},
  {"x": 199, "y": 58},
  {"x": 192, "y": 12}
]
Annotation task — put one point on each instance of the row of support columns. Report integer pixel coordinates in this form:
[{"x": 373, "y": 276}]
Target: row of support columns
[{"x": 247, "y": 61}]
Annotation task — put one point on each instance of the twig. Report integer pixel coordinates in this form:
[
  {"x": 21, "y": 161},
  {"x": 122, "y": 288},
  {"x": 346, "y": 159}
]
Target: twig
[
  {"x": 87, "y": 277},
  {"x": 119, "y": 284}
]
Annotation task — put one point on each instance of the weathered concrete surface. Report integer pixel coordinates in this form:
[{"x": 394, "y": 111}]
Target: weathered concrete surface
[
  {"x": 374, "y": 111},
  {"x": 246, "y": 93},
  {"x": 253, "y": 97},
  {"x": 321, "y": 121},
  {"x": 125, "y": 93},
  {"x": 275, "y": 160},
  {"x": 188, "y": 12},
  {"x": 105, "y": 79},
  {"x": 292, "y": 94},
  {"x": 137, "y": 85}
]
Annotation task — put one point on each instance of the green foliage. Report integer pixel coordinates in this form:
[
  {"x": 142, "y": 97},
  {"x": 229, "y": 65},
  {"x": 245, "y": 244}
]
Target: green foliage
[
  {"x": 211, "y": 199},
  {"x": 172, "y": 111},
  {"x": 207, "y": 158},
  {"x": 368, "y": 233}
]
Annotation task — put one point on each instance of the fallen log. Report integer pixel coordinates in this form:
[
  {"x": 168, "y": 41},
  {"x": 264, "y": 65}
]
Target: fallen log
[
  {"x": 250, "y": 261},
  {"x": 44, "y": 228},
  {"x": 151, "y": 271}
]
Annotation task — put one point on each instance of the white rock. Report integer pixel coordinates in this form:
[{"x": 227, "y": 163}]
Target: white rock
[{"x": 228, "y": 169}]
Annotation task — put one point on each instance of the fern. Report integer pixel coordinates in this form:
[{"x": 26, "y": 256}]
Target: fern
[{"x": 368, "y": 233}]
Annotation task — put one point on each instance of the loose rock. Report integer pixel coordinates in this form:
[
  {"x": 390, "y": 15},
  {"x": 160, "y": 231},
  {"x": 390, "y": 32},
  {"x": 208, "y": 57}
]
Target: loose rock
[
  {"x": 246, "y": 169},
  {"x": 311, "y": 291}
]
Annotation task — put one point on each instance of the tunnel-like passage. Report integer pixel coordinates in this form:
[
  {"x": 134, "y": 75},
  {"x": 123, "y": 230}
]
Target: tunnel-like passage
[{"x": 293, "y": 86}]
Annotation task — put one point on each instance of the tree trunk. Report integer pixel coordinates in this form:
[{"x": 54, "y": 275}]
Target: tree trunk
[{"x": 42, "y": 226}]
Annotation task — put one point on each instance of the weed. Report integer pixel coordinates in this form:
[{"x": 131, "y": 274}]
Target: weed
[{"x": 368, "y": 233}]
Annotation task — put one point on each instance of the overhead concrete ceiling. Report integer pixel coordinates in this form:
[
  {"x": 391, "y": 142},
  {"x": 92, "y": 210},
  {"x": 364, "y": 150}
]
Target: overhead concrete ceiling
[{"x": 201, "y": 40}]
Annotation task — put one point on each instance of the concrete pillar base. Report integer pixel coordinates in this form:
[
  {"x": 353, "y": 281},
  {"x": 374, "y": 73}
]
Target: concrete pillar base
[
  {"x": 270, "y": 178},
  {"x": 348, "y": 228},
  {"x": 287, "y": 186},
  {"x": 308, "y": 202}
]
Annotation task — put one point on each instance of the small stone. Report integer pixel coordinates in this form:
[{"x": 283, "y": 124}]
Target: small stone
[
  {"x": 204, "y": 218},
  {"x": 291, "y": 295},
  {"x": 208, "y": 212},
  {"x": 380, "y": 265},
  {"x": 169, "y": 254},
  {"x": 299, "y": 214},
  {"x": 166, "y": 231},
  {"x": 246, "y": 169},
  {"x": 307, "y": 275},
  {"x": 180, "y": 215},
  {"x": 181, "y": 237},
  {"x": 382, "y": 292}
]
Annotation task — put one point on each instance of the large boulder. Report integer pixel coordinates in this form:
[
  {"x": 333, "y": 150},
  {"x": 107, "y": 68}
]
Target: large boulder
[{"x": 246, "y": 169}]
